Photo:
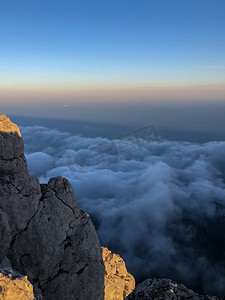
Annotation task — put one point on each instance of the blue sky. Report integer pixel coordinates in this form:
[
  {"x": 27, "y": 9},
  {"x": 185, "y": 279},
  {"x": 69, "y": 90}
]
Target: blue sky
[{"x": 82, "y": 43}]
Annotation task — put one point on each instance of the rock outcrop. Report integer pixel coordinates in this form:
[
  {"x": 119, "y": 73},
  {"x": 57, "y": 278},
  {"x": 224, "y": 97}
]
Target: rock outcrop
[
  {"x": 14, "y": 286},
  {"x": 164, "y": 289},
  {"x": 43, "y": 232},
  {"x": 19, "y": 192},
  {"x": 118, "y": 282}
]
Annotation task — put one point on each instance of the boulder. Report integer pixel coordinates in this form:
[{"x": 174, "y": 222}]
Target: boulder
[
  {"x": 59, "y": 249},
  {"x": 118, "y": 282},
  {"x": 164, "y": 289}
]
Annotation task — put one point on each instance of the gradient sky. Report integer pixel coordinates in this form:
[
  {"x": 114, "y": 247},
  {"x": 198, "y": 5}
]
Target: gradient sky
[
  {"x": 128, "y": 62},
  {"x": 87, "y": 48}
]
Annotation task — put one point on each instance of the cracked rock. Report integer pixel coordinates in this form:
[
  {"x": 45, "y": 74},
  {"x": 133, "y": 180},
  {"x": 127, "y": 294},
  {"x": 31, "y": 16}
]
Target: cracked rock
[
  {"x": 43, "y": 232},
  {"x": 19, "y": 192}
]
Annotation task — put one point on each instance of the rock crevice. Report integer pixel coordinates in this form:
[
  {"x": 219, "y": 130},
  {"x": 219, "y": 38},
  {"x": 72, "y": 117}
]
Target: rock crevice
[{"x": 38, "y": 222}]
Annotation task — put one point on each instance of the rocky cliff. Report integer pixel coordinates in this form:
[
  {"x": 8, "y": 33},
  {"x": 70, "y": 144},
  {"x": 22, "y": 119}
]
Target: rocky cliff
[
  {"x": 43, "y": 232},
  {"x": 118, "y": 282}
]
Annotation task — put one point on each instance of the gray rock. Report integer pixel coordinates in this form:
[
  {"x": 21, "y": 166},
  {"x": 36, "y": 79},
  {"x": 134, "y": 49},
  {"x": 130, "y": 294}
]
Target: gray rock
[
  {"x": 43, "y": 232},
  {"x": 11, "y": 144},
  {"x": 164, "y": 289},
  {"x": 5, "y": 263},
  {"x": 62, "y": 241},
  {"x": 19, "y": 192}
]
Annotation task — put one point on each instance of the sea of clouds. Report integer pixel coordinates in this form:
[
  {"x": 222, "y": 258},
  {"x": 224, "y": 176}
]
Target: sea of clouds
[{"x": 160, "y": 205}]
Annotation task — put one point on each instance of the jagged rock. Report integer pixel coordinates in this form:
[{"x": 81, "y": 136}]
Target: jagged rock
[
  {"x": 164, "y": 289},
  {"x": 62, "y": 241},
  {"x": 19, "y": 192},
  {"x": 118, "y": 282},
  {"x": 43, "y": 232},
  {"x": 14, "y": 286}
]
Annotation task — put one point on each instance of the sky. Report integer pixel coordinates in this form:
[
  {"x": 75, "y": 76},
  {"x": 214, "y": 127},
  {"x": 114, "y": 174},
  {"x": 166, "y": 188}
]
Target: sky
[
  {"x": 127, "y": 62},
  {"x": 61, "y": 53}
]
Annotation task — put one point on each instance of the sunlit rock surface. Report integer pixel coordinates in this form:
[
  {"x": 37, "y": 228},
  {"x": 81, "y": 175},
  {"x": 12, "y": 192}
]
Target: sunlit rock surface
[
  {"x": 118, "y": 282},
  {"x": 7, "y": 126},
  {"x": 43, "y": 232},
  {"x": 164, "y": 289},
  {"x": 14, "y": 286}
]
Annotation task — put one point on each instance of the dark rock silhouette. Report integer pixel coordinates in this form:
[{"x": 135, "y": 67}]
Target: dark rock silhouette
[
  {"x": 164, "y": 289},
  {"x": 43, "y": 232}
]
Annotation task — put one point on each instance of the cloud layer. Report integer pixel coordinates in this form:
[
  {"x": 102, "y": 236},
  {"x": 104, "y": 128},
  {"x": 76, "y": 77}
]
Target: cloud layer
[{"x": 161, "y": 206}]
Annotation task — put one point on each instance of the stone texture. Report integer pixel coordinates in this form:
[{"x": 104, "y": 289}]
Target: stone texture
[
  {"x": 43, "y": 232},
  {"x": 19, "y": 192},
  {"x": 14, "y": 286},
  {"x": 7, "y": 126},
  {"x": 118, "y": 282},
  {"x": 62, "y": 241},
  {"x": 164, "y": 289}
]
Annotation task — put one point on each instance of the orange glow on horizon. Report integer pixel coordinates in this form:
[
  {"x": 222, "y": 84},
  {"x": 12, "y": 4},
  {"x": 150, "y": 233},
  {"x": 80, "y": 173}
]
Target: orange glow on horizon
[{"x": 163, "y": 92}]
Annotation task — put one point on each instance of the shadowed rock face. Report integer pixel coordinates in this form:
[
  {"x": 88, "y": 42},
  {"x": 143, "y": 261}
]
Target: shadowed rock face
[
  {"x": 43, "y": 232},
  {"x": 164, "y": 289},
  {"x": 19, "y": 192},
  {"x": 14, "y": 286},
  {"x": 118, "y": 282}
]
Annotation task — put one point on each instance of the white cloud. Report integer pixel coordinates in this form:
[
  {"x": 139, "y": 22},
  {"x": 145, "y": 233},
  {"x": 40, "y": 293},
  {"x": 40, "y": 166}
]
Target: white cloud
[{"x": 160, "y": 205}]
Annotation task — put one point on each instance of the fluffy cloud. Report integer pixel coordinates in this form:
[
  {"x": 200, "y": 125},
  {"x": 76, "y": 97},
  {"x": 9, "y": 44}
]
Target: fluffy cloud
[{"x": 161, "y": 205}]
